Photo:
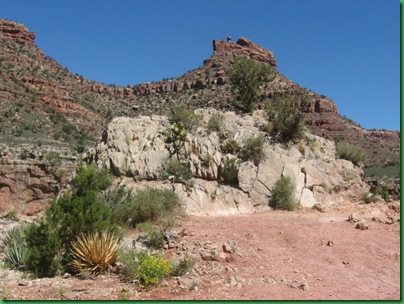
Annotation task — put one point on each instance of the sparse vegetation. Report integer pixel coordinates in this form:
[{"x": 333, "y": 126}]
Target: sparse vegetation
[
  {"x": 350, "y": 152},
  {"x": 215, "y": 123}
]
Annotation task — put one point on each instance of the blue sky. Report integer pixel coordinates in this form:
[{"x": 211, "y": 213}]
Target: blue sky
[{"x": 348, "y": 50}]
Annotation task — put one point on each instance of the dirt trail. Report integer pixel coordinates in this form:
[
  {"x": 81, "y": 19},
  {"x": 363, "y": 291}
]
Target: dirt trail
[{"x": 274, "y": 256}]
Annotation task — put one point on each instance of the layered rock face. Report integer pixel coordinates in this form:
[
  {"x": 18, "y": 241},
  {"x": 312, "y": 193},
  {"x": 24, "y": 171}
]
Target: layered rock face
[
  {"x": 17, "y": 32},
  {"x": 27, "y": 181},
  {"x": 135, "y": 150}
]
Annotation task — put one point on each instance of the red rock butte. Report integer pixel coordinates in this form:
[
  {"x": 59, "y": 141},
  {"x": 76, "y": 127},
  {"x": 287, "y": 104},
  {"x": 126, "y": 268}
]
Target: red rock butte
[{"x": 244, "y": 47}]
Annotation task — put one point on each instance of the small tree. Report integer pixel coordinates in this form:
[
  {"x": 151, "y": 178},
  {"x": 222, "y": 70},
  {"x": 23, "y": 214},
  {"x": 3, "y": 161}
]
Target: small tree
[{"x": 247, "y": 75}]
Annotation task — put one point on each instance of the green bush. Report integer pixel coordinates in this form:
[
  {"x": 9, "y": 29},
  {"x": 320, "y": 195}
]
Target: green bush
[
  {"x": 253, "y": 149},
  {"x": 42, "y": 250},
  {"x": 149, "y": 205},
  {"x": 350, "y": 152},
  {"x": 285, "y": 117},
  {"x": 81, "y": 209},
  {"x": 230, "y": 172},
  {"x": 283, "y": 194},
  {"x": 247, "y": 75}
]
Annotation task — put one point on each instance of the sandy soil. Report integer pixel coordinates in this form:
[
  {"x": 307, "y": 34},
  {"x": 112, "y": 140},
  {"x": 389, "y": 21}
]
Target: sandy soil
[{"x": 275, "y": 255}]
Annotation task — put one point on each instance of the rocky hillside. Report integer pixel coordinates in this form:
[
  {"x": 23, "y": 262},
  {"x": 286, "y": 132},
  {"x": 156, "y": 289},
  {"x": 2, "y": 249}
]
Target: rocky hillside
[
  {"x": 44, "y": 102},
  {"x": 45, "y": 108}
]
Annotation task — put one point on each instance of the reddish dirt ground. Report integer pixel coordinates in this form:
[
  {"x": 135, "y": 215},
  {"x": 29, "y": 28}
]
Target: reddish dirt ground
[{"x": 302, "y": 255}]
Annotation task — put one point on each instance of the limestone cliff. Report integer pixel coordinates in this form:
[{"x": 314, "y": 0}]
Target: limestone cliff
[{"x": 134, "y": 149}]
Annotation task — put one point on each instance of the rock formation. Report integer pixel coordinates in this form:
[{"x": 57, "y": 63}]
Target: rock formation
[
  {"x": 134, "y": 149},
  {"x": 17, "y": 32}
]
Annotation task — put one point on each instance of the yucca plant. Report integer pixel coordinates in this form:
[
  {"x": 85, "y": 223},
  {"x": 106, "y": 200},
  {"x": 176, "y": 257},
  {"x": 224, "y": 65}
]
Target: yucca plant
[
  {"x": 94, "y": 252},
  {"x": 14, "y": 247}
]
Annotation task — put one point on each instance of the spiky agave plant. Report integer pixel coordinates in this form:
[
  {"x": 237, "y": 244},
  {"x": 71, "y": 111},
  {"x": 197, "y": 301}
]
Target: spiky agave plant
[
  {"x": 14, "y": 247},
  {"x": 94, "y": 252}
]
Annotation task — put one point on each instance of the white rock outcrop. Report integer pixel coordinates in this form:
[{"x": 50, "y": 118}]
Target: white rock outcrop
[{"x": 135, "y": 150}]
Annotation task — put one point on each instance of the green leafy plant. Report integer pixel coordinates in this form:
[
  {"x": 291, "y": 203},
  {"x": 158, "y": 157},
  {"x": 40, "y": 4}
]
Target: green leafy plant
[
  {"x": 247, "y": 75},
  {"x": 350, "y": 152},
  {"x": 253, "y": 149},
  {"x": 94, "y": 252},
  {"x": 283, "y": 194}
]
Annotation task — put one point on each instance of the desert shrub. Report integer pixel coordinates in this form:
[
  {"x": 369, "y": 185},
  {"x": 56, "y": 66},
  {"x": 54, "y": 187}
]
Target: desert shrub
[
  {"x": 285, "y": 117},
  {"x": 231, "y": 146},
  {"x": 149, "y": 205},
  {"x": 156, "y": 233},
  {"x": 181, "y": 116},
  {"x": 129, "y": 260},
  {"x": 81, "y": 209},
  {"x": 215, "y": 123},
  {"x": 152, "y": 269},
  {"x": 94, "y": 252},
  {"x": 247, "y": 75},
  {"x": 43, "y": 247},
  {"x": 178, "y": 169},
  {"x": 14, "y": 247},
  {"x": 283, "y": 194},
  {"x": 350, "y": 152},
  {"x": 253, "y": 149},
  {"x": 383, "y": 192},
  {"x": 230, "y": 172}
]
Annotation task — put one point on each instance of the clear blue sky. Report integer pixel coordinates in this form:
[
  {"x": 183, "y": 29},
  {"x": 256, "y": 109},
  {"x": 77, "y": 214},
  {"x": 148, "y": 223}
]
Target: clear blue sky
[{"x": 348, "y": 50}]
